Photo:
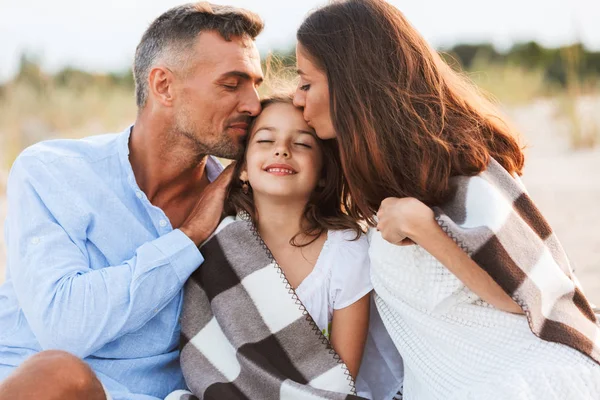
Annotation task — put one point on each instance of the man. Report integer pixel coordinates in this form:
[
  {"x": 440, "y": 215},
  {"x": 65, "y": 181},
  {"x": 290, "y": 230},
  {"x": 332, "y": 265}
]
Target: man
[{"x": 103, "y": 232}]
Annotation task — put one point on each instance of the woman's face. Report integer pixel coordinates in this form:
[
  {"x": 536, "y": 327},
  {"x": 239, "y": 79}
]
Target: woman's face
[
  {"x": 312, "y": 95},
  {"x": 283, "y": 157}
]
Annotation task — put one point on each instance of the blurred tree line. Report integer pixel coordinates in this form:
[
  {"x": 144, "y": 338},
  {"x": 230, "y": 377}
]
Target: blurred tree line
[
  {"x": 558, "y": 65},
  {"x": 30, "y": 73}
]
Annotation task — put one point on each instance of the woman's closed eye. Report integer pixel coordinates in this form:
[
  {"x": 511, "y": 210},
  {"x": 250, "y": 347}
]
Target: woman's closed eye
[{"x": 305, "y": 87}]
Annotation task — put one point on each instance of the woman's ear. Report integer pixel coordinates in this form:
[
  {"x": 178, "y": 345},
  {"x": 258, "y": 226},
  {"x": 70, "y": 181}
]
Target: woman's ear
[{"x": 244, "y": 175}]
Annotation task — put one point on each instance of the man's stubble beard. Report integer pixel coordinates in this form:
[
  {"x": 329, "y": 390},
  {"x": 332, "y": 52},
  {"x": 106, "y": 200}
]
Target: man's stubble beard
[{"x": 205, "y": 142}]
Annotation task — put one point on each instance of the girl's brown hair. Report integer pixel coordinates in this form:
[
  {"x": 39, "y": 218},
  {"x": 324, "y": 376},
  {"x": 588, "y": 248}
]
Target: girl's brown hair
[
  {"x": 324, "y": 210},
  {"x": 405, "y": 121}
]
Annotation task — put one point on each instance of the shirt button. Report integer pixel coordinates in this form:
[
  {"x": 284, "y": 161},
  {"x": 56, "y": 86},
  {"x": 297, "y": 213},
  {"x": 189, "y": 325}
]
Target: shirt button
[
  {"x": 139, "y": 194},
  {"x": 162, "y": 223},
  {"x": 35, "y": 240}
]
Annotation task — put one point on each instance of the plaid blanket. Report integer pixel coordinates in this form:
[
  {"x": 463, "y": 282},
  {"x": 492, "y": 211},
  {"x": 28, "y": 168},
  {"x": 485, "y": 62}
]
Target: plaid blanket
[
  {"x": 245, "y": 333},
  {"x": 492, "y": 218}
]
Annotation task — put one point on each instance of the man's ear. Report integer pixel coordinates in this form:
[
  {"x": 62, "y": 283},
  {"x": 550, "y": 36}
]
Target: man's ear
[{"x": 160, "y": 84}]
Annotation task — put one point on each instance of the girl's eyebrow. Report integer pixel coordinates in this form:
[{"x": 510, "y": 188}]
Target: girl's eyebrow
[
  {"x": 266, "y": 128},
  {"x": 274, "y": 130},
  {"x": 305, "y": 132}
]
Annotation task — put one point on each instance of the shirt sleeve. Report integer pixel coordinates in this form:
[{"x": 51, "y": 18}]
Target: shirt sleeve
[
  {"x": 350, "y": 275},
  {"x": 68, "y": 305}
]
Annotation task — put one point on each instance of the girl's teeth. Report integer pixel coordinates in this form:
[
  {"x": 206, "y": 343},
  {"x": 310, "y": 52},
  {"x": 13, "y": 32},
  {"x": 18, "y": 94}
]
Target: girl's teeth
[{"x": 286, "y": 171}]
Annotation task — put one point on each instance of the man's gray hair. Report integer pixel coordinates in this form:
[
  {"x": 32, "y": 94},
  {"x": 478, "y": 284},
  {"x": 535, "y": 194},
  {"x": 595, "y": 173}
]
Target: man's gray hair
[{"x": 173, "y": 35}]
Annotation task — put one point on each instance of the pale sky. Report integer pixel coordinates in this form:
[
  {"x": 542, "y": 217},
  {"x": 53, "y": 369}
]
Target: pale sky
[{"x": 102, "y": 35}]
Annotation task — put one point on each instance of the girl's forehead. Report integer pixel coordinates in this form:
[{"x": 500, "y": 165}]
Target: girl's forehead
[
  {"x": 279, "y": 107},
  {"x": 281, "y": 115}
]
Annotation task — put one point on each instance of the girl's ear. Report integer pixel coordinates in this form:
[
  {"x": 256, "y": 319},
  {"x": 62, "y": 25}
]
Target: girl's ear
[{"x": 244, "y": 181}]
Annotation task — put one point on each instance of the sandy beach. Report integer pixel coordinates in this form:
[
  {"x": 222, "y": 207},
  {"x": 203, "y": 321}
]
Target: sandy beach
[{"x": 564, "y": 183}]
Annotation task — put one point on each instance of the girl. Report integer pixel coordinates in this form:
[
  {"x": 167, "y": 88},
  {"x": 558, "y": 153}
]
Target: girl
[
  {"x": 422, "y": 151},
  {"x": 291, "y": 185},
  {"x": 290, "y": 198}
]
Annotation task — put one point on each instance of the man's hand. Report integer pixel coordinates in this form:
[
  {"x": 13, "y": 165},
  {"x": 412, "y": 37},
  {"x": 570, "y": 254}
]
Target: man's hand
[{"x": 206, "y": 215}]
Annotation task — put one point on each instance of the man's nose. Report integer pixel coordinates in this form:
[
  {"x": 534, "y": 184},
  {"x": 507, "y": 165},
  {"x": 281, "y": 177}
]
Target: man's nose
[{"x": 251, "y": 104}]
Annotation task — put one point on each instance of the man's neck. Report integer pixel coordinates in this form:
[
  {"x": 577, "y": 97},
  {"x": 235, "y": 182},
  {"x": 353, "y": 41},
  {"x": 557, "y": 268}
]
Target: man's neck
[{"x": 164, "y": 166}]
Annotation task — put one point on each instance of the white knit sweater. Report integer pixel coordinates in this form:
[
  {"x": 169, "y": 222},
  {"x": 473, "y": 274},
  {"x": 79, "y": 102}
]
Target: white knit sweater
[{"x": 456, "y": 346}]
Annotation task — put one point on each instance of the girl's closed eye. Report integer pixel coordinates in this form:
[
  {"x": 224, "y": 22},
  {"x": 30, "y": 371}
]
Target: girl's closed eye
[{"x": 304, "y": 87}]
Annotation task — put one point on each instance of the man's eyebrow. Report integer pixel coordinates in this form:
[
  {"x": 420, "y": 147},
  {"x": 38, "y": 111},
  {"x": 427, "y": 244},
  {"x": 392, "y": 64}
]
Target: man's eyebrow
[{"x": 242, "y": 75}]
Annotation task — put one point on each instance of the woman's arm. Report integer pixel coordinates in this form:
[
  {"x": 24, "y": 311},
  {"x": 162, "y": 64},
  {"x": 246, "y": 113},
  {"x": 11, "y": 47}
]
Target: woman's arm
[
  {"x": 400, "y": 219},
  {"x": 349, "y": 329}
]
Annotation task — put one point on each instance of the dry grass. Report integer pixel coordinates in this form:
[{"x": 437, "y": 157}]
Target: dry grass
[
  {"x": 29, "y": 114},
  {"x": 575, "y": 107},
  {"x": 510, "y": 84}
]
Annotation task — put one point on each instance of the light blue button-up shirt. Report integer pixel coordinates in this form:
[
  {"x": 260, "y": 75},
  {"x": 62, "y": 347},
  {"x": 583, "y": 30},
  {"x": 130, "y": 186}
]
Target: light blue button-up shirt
[{"x": 93, "y": 267}]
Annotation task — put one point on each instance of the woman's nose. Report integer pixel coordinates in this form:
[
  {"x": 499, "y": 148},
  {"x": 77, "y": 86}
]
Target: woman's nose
[{"x": 298, "y": 99}]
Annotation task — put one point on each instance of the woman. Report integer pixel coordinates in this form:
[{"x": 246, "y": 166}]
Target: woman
[{"x": 429, "y": 161}]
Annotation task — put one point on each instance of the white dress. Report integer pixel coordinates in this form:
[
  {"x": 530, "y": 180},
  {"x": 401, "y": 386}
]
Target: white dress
[
  {"x": 456, "y": 346},
  {"x": 340, "y": 277}
]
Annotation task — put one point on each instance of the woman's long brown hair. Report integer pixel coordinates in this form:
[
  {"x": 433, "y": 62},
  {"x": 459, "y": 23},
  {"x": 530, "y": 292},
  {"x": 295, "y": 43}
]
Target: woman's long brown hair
[
  {"x": 323, "y": 212},
  {"x": 405, "y": 121}
]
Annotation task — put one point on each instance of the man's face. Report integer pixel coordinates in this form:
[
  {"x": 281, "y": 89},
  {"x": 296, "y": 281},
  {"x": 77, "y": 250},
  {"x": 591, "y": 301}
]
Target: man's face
[{"x": 217, "y": 95}]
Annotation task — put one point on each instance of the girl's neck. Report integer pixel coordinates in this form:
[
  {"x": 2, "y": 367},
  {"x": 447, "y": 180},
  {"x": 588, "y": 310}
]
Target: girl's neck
[{"x": 279, "y": 219}]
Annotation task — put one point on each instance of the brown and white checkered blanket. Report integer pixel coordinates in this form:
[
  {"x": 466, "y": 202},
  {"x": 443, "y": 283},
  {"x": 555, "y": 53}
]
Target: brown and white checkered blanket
[
  {"x": 245, "y": 333},
  {"x": 491, "y": 217}
]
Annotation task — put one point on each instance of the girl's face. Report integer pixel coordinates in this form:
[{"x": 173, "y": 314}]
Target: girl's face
[
  {"x": 283, "y": 157},
  {"x": 312, "y": 95}
]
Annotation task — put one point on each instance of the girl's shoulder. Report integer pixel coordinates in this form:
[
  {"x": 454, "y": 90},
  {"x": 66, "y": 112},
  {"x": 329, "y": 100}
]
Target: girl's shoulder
[
  {"x": 346, "y": 249},
  {"x": 350, "y": 268},
  {"x": 347, "y": 238}
]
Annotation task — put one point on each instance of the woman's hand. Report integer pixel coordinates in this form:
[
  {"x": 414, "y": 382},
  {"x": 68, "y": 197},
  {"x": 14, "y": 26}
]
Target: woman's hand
[
  {"x": 399, "y": 219},
  {"x": 408, "y": 221}
]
